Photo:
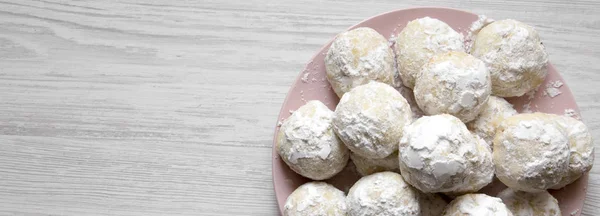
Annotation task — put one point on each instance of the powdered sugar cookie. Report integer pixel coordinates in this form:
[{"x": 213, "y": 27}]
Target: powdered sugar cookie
[
  {"x": 307, "y": 144},
  {"x": 514, "y": 55},
  {"x": 438, "y": 154},
  {"x": 356, "y": 57},
  {"x": 383, "y": 193},
  {"x": 316, "y": 198},
  {"x": 370, "y": 119},
  {"x": 530, "y": 204},
  {"x": 492, "y": 113},
  {"x": 476, "y": 205},
  {"x": 531, "y": 152},
  {"x": 368, "y": 166},
  {"x": 454, "y": 83},
  {"x": 581, "y": 158},
  {"x": 421, "y": 39}
]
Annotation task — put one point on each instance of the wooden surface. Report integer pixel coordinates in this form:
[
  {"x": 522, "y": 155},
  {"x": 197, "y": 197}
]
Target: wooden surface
[{"x": 168, "y": 107}]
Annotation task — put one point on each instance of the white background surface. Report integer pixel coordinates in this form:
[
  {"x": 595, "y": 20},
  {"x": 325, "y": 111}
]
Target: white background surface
[{"x": 168, "y": 107}]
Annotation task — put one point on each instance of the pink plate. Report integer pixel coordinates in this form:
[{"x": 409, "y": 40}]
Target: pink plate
[{"x": 312, "y": 85}]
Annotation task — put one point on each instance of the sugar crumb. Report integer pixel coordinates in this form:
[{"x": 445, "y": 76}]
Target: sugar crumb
[
  {"x": 392, "y": 40},
  {"x": 305, "y": 77},
  {"x": 552, "y": 92},
  {"x": 552, "y": 88},
  {"x": 574, "y": 212},
  {"x": 571, "y": 113},
  {"x": 557, "y": 84}
]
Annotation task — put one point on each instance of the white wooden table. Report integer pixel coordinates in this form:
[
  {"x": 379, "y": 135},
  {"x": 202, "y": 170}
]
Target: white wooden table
[{"x": 168, "y": 107}]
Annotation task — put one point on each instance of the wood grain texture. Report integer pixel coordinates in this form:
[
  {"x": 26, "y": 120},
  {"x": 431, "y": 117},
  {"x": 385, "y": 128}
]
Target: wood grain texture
[{"x": 167, "y": 107}]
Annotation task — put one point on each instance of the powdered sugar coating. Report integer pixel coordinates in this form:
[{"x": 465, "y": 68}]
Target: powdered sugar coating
[
  {"x": 482, "y": 21},
  {"x": 409, "y": 95},
  {"x": 307, "y": 144},
  {"x": 492, "y": 113},
  {"x": 438, "y": 154},
  {"x": 581, "y": 149},
  {"x": 419, "y": 41},
  {"x": 356, "y": 57},
  {"x": 368, "y": 166},
  {"x": 455, "y": 83},
  {"x": 431, "y": 204},
  {"x": 316, "y": 198},
  {"x": 476, "y": 205},
  {"x": 483, "y": 167},
  {"x": 370, "y": 119},
  {"x": 530, "y": 204},
  {"x": 514, "y": 55},
  {"x": 384, "y": 194},
  {"x": 531, "y": 152}
]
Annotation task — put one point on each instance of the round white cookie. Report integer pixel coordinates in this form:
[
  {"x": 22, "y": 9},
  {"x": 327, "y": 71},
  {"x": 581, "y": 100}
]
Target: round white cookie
[
  {"x": 581, "y": 148},
  {"x": 370, "y": 119},
  {"x": 307, "y": 144},
  {"x": 431, "y": 204},
  {"x": 476, "y": 205},
  {"x": 367, "y": 166},
  {"x": 421, "y": 39},
  {"x": 454, "y": 83},
  {"x": 316, "y": 198},
  {"x": 358, "y": 56},
  {"x": 383, "y": 193},
  {"x": 438, "y": 154},
  {"x": 531, "y": 152},
  {"x": 514, "y": 55},
  {"x": 492, "y": 114},
  {"x": 530, "y": 204}
]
